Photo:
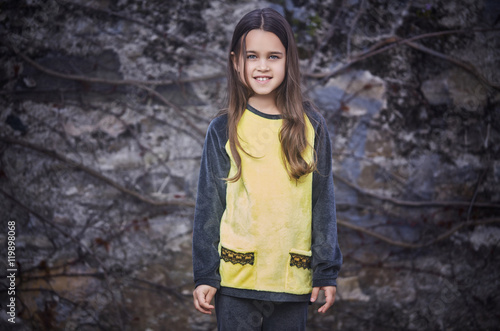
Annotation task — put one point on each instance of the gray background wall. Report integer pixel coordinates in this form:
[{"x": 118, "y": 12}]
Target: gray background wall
[{"x": 103, "y": 110}]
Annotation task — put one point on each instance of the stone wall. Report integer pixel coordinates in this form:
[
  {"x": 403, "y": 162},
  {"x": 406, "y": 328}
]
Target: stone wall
[{"x": 103, "y": 110}]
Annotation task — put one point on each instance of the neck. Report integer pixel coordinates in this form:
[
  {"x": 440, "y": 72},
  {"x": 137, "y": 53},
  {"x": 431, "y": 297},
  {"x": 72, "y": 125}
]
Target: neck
[{"x": 265, "y": 104}]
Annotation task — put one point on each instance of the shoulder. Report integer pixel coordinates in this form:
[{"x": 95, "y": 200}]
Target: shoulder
[
  {"x": 317, "y": 120},
  {"x": 217, "y": 129},
  {"x": 219, "y": 123}
]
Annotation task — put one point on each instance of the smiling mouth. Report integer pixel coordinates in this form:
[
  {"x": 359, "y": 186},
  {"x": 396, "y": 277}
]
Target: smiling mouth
[{"x": 262, "y": 79}]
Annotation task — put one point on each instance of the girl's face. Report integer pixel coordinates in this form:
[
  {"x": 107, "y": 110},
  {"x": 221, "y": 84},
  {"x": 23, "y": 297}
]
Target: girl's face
[{"x": 265, "y": 63}]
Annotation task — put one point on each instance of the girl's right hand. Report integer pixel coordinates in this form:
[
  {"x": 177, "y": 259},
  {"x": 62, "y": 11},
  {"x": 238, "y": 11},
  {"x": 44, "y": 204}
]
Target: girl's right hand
[{"x": 203, "y": 295}]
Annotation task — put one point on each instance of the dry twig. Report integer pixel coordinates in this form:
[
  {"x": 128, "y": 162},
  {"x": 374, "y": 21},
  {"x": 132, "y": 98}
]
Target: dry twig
[
  {"x": 138, "y": 84},
  {"x": 406, "y": 203},
  {"x": 441, "y": 237},
  {"x": 397, "y": 41},
  {"x": 95, "y": 174}
]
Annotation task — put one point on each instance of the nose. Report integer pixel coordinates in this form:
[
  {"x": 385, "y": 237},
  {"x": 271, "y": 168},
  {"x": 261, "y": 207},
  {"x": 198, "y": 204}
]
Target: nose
[{"x": 263, "y": 65}]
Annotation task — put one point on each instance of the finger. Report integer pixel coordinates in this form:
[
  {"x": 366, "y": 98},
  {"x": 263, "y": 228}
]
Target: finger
[
  {"x": 314, "y": 294},
  {"x": 325, "y": 307},
  {"x": 210, "y": 295},
  {"x": 201, "y": 309},
  {"x": 204, "y": 311},
  {"x": 200, "y": 304},
  {"x": 204, "y": 303},
  {"x": 330, "y": 299},
  {"x": 198, "y": 308}
]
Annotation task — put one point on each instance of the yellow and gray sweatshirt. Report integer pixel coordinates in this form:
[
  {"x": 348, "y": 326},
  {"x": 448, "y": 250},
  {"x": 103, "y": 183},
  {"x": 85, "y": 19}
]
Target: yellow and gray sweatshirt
[{"x": 265, "y": 236}]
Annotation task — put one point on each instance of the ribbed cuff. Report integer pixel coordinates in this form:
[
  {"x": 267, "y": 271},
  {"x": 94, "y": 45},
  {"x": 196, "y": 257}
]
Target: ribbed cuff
[
  {"x": 207, "y": 281},
  {"x": 324, "y": 282}
]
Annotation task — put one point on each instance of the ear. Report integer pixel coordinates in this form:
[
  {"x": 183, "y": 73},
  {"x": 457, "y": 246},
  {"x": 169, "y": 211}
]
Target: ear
[{"x": 236, "y": 64}]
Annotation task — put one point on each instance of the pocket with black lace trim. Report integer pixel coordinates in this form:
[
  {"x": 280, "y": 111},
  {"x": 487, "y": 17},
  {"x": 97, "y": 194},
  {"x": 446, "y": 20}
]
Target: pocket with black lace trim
[
  {"x": 299, "y": 273},
  {"x": 237, "y": 267}
]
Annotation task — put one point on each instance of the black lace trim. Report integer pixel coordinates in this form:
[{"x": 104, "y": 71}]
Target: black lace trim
[
  {"x": 235, "y": 257},
  {"x": 300, "y": 261}
]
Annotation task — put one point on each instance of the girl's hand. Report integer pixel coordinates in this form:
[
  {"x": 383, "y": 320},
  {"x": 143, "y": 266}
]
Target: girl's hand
[
  {"x": 203, "y": 295},
  {"x": 330, "y": 292}
]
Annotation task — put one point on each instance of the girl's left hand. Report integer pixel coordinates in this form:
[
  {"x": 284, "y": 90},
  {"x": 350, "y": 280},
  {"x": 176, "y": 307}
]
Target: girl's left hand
[{"x": 330, "y": 292}]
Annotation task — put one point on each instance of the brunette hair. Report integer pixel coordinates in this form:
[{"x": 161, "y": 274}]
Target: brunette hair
[{"x": 288, "y": 94}]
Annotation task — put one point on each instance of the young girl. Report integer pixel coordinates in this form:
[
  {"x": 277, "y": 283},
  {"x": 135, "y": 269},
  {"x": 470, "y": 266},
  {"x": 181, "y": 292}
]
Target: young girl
[{"x": 265, "y": 233}]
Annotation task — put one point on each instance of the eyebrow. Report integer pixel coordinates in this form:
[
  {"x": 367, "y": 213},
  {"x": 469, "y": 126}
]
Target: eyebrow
[{"x": 273, "y": 52}]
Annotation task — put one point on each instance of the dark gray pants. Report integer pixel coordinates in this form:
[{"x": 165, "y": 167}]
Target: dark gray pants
[{"x": 237, "y": 314}]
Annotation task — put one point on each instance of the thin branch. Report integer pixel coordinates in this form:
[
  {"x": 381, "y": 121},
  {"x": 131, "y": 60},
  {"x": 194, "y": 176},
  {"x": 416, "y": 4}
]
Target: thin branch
[
  {"x": 473, "y": 200},
  {"x": 95, "y": 174},
  {"x": 407, "y": 203},
  {"x": 461, "y": 63},
  {"x": 44, "y": 220},
  {"x": 177, "y": 109},
  {"x": 215, "y": 57},
  {"x": 52, "y": 292},
  {"x": 139, "y": 84},
  {"x": 98, "y": 80},
  {"x": 157, "y": 286},
  {"x": 441, "y": 237},
  {"x": 397, "y": 41},
  {"x": 79, "y": 243},
  {"x": 98, "y": 275},
  {"x": 325, "y": 38},
  {"x": 362, "y": 8}
]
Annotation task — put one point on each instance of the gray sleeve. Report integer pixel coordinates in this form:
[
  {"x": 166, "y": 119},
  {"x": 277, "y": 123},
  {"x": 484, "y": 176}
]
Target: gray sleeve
[
  {"x": 326, "y": 255},
  {"x": 210, "y": 204}
]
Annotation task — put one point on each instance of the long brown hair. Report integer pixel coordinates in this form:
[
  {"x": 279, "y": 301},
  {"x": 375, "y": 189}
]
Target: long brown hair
[{"x": 288, "y": 94}]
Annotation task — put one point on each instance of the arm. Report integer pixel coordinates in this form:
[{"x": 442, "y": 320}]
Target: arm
[
  {"x": 210, "y": 205},
  {"x": 326, "y": 255}
]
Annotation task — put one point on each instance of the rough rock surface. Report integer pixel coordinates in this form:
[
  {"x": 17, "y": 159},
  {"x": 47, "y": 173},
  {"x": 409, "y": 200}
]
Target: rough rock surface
[{"x": 110, "y": 118}]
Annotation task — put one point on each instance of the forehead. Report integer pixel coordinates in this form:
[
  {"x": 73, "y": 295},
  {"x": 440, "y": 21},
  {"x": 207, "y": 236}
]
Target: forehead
[{"x": 263, "y": 41}]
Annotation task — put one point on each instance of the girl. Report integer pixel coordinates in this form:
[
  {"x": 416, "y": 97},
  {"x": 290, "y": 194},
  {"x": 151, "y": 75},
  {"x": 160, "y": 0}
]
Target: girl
[{"x": 265, "y": 233}]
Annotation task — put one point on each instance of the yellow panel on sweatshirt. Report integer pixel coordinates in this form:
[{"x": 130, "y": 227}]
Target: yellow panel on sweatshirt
[{"x": 267, "y": 213}]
